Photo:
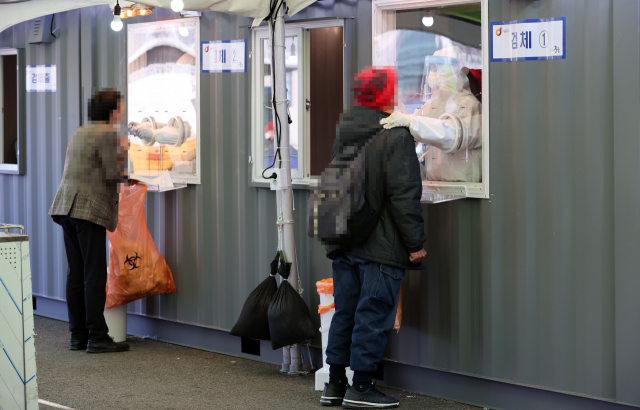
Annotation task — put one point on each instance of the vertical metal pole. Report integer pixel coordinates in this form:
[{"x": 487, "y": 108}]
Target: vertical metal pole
[{"x": 286, "y": 194}]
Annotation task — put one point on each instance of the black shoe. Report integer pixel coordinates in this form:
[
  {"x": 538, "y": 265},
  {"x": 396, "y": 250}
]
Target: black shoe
[
  {"x": 78, "y": 344},
  {"x": 372, "y": 398},
  {"x": 333, "y": 394},
  {"x": 106, "y": 346}
]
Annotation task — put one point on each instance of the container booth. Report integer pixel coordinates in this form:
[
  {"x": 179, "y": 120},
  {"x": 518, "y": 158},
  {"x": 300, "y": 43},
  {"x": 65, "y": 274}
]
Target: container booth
[{"x": 529, "y": 296}]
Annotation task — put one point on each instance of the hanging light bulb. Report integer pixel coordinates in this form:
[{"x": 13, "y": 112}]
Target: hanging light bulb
[
  {"x": 143, "y": 12},
  {"x": 129, "y": 12},
  {"x": 293, "y": 49},
  {"x": 184, "y": 32},
  {"x": 177, "y": 5},
  {"x": 428, "y": 20},
  {"x": 116, "y": 24}
]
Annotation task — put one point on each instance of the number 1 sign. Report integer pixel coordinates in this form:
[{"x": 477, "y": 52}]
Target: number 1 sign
[
  {"x": 529, "y": 40},
  {"x": 227, "y": 56}
]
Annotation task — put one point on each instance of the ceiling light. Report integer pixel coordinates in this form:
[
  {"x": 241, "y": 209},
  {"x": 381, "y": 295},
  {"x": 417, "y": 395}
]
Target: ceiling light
[
  {"x": 141, "y": 9},
  {"x": 184, "y": 32},
  {"x": 116, "y": 24},
  {"x": 177, "y": 5},
  {"x": 427, "y": 21}
]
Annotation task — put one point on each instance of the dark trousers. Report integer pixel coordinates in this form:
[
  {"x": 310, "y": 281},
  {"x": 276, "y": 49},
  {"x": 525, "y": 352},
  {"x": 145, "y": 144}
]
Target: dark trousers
[
  {"x": 365, "y": 294},
  {"x": 85, "y": 243}
]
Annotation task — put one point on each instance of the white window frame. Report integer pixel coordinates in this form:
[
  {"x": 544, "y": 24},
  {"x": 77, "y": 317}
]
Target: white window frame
[
  {"x": 20, "y": 167},
  {"x": 258, "y": 103},
  {"x": 459, "y": 189},
  {"x": 301, "y": 177},
  {"x": 179, "y": 182}
]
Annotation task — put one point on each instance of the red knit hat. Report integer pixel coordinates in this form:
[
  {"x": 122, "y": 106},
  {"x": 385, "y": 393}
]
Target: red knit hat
[
  {"x": 269, "y": 127},
  {"x": 375, "y": 88}
]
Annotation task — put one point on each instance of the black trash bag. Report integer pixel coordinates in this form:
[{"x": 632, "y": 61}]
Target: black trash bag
[
  {"x": 289, "y": 317},
  {"x": 253, "y": 322}
]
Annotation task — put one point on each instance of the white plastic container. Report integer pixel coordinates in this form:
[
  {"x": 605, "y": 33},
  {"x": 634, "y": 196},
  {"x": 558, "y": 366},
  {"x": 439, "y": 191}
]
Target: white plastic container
[
  {"x": 322, "y": 375},
  {"x": 116, "y": 319}
]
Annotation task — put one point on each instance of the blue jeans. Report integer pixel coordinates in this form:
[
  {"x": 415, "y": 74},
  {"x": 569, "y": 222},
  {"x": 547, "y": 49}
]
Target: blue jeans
[{"x": 366, "y": 297}]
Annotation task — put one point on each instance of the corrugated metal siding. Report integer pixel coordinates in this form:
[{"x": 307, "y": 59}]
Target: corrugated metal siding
[{"x": 520, "y": 288}]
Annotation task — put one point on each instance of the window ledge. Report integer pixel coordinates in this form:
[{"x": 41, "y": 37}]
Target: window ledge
[{"x": 298, "y": 183}]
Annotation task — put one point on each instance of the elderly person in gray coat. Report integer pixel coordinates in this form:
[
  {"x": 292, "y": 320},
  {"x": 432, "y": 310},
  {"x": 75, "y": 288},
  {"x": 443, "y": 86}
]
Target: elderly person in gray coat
[{"x": 86, "y": 205}]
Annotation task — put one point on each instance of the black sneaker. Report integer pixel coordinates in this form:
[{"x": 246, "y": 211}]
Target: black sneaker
[
  {"x": 106, "y": 346},
  {"x": 78, "y": 344},
  {"x": 372, "y": 398},
  {"x": 333, "y": 394}
]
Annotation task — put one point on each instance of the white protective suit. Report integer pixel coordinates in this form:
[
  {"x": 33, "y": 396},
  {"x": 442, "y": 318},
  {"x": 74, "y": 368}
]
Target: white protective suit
[
  {"x": 450, "y": 122},
  {"x": 174, "y": 133}
]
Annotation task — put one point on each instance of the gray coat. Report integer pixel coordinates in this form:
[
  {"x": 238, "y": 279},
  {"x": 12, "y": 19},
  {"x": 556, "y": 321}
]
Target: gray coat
[{"x": 92, "y": 170}]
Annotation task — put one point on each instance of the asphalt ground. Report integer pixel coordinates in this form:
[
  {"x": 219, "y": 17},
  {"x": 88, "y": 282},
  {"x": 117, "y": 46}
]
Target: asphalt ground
[{"x": 156, "y": 375}]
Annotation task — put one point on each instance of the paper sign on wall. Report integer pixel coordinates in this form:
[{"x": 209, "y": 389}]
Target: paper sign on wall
[
  {"x": 228, "y": 56},
  {"x": 41, "y": 78},
  {"x": 529, "y": 39}
]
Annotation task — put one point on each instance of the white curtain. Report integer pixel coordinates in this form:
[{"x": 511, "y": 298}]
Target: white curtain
[{"x": 11, "y": 14}]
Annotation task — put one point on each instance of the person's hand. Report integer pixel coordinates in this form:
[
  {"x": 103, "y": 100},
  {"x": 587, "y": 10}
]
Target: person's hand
[
  {"x": 144, "y": 131},
  {"x": 397, "y": 119},
  {"x": 417, "y": 257}
]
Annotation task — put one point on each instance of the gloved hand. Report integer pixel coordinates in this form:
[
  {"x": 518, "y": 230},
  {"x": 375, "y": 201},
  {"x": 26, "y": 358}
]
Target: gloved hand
[
  {"x": 397, "y": 119},
  {"x": 144, "y": 130}
]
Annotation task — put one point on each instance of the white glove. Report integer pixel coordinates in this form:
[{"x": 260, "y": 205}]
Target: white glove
[
  {"x": 144, "y": 131},
  {"x": 397, "y": 119}
]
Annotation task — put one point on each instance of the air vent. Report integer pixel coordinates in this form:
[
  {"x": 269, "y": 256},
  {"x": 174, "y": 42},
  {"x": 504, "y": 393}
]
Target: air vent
[{"x": 40, "y": 30}]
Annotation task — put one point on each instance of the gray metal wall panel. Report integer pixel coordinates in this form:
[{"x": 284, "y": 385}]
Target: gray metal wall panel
[
  {"x": 535, "y": 286},
  {"x": 523, "y": 288},
  {"x": 626, "y": 150}
]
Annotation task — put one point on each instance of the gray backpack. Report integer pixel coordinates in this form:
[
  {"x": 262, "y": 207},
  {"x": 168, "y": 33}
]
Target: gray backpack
[{"x": 337, "y": 212}]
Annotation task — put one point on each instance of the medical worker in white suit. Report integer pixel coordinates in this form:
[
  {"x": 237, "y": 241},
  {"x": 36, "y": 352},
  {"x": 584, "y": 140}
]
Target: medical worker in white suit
[{"x": 449, "y": 123}]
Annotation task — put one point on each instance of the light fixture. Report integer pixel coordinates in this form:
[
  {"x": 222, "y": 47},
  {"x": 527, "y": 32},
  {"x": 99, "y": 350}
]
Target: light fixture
[
  {"x": 129, "y": 13},
  {"x": 177, "y": 5},
  {"x": 428, "y": 18},
  {"x": 143, "y": 12},
  {"x": 293, "y": 49},
  {"x": 184, "y": 32},
  {"x": 116, "y": 24}
]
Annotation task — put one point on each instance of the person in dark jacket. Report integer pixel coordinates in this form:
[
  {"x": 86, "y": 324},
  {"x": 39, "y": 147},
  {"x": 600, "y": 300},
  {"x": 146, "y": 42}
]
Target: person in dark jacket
[{"x": 366, "y": 278}]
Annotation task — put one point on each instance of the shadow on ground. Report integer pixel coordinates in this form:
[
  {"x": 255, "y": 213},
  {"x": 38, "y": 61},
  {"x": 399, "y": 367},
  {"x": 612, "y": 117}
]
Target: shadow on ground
[{"x": 158, "y": 376}]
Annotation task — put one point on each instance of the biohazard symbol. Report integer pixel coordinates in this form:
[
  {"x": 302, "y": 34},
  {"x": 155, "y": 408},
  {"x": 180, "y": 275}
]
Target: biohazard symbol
[{"x": 131, "y": 261}]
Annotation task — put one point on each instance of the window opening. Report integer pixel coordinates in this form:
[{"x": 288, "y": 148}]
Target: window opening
[{"x": 438, "y": 53}]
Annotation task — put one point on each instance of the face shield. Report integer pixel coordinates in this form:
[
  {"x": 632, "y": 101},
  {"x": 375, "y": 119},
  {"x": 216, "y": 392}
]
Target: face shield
[{"x": 439, "y": 74}]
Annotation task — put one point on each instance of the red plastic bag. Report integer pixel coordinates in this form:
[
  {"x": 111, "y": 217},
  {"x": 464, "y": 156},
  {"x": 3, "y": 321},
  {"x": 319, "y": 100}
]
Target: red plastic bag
[
  {"x": 136, "y": 267},
  {"x": 325, "y": 286},
  {"x": 326, "y": 308}
]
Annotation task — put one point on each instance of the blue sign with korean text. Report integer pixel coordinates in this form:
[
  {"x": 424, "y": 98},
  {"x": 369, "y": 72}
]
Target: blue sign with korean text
[
  {"x": 227, "y": 56},
  {"x": 543, "y": 39}
]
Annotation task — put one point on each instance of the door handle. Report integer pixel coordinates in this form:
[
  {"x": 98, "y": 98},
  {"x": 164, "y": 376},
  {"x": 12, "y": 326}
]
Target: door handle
[{"x": 308, "y": 105}]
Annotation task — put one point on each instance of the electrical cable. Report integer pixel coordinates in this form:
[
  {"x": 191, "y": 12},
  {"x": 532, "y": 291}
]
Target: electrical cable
[
  {"x": 52, "y": 17},
  {"x": 277, "y": 125}
]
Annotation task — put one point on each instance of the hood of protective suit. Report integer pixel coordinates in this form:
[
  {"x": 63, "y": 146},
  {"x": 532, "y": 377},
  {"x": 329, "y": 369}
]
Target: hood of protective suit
[
  {"x": 356, "y": 127},
  {"x": 448, "y": 77}
]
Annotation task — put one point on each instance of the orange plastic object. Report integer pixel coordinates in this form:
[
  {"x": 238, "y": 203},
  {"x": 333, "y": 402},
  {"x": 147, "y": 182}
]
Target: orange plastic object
[
  {"x": 161, "y": 158},
  {"x": 136, "y": 267},
  {"x": 326, "y": 308},
  {"x": 325, "y": 286},
  {"x": 396, "y": 326}
]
